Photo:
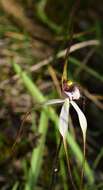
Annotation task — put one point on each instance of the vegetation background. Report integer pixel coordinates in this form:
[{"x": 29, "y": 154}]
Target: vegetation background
[{"x": 32, "y": 35}]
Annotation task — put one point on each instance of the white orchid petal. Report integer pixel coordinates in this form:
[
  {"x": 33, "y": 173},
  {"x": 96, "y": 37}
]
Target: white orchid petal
[
  {"x": 82, "y": 119},
  {"x": 64, "y": 118},
  {"x": 54, "y": 101}
]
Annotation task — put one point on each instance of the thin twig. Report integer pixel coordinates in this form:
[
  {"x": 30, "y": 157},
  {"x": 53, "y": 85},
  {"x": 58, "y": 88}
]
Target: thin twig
[
  {"x": 84, "y": 62},
  {"x": 55, "y": 80},
  {"x": 61, "y": 54},
  {"x": 19, "y": 132},
  {"x": 93, "y": 98}
]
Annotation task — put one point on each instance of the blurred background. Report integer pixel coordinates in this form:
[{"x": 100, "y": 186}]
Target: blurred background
[{"x": 33, "y": 37}]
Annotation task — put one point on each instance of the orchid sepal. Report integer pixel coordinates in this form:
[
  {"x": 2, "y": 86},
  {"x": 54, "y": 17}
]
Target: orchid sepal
[
  {"x": 64, "y": 118},
  {"x": 82, "y": 119}
]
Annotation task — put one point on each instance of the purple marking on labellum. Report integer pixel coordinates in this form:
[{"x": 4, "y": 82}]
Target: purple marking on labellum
[
  {"x": 72, "y": 91},
  {"x": 67, "y": 87}
]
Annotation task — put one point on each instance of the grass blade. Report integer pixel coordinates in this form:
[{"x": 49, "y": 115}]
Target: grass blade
[{"x": 37, "y": 154}]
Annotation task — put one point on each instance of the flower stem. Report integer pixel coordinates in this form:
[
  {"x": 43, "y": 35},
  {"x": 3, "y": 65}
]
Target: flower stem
[
  {"x": 68, "y": 163},
  {"x": 83, "y": 165},
  {"x": 55, "y": 165}
]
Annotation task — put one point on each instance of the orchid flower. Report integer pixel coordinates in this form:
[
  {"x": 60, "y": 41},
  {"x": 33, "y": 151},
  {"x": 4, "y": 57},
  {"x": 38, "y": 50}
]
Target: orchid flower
[{"x": 71, "y": 95}]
